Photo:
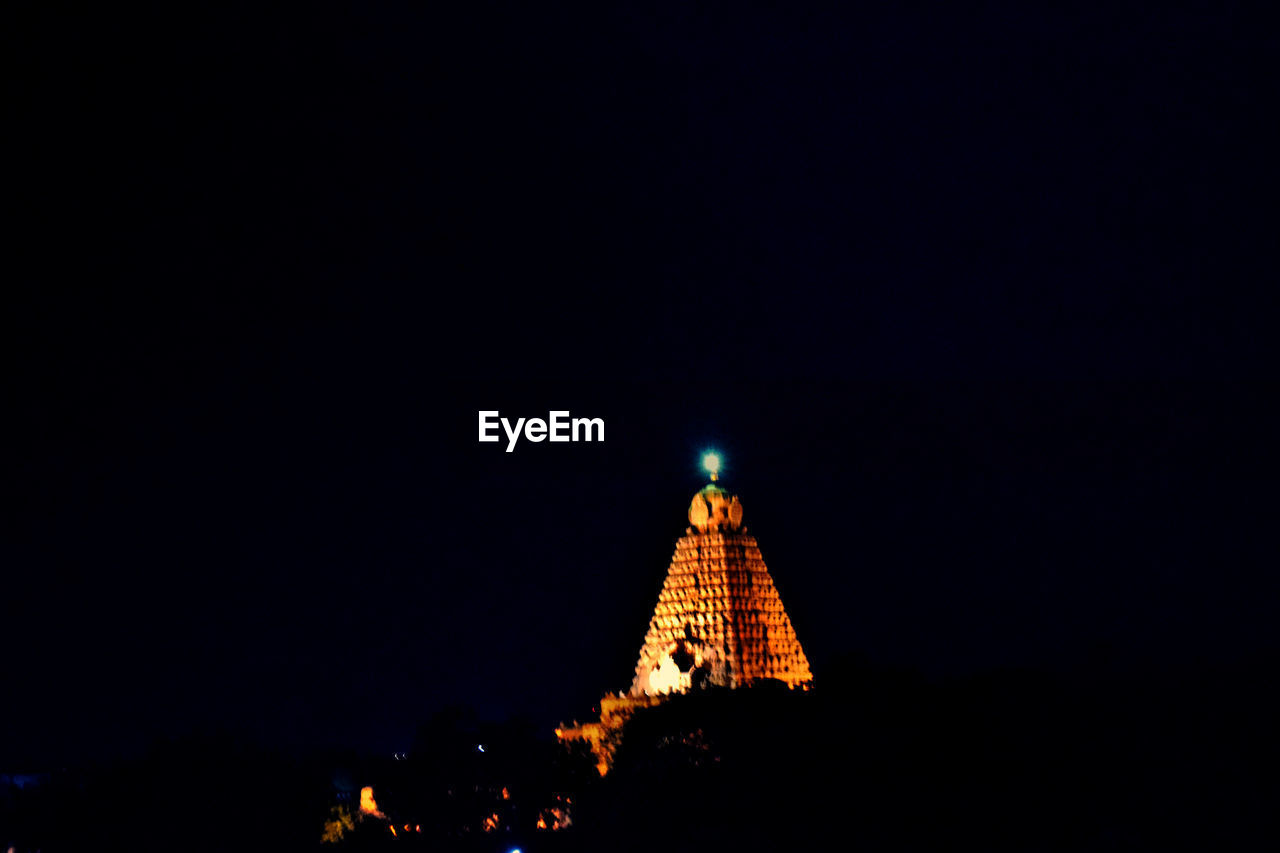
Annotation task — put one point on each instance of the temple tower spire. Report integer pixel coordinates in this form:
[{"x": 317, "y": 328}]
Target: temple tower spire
[{"x": 718, "y": 623}]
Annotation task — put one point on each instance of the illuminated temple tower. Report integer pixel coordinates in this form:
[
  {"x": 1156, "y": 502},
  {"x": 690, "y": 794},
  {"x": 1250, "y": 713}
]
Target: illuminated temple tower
[{"x": 719, "y": 622}]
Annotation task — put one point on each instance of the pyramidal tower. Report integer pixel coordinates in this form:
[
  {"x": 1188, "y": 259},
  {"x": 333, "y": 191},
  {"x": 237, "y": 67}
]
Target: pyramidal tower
[{"x": 719, "y": 621}]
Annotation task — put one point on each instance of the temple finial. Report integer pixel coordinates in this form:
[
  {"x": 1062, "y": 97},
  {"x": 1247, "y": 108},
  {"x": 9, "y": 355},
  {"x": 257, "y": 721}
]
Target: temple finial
[{"x": 711, "y": 462}]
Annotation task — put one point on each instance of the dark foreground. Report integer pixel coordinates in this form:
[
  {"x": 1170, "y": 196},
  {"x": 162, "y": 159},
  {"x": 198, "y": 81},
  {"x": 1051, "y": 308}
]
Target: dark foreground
[{"x": 1099, "y": 759}]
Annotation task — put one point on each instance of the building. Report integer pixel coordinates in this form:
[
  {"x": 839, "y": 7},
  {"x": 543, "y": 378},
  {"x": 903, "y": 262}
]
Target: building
[{"x": 719, "y": 622}]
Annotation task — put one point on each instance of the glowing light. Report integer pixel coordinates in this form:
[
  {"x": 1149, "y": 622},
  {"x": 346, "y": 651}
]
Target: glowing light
[
  {"x": 666, "y": 677},
  {"x": 368, "y": 805},
  {"x": 340, "y": 822},
  {"x": 711, "y": 462},
  {"x": 554, "y": 819}
]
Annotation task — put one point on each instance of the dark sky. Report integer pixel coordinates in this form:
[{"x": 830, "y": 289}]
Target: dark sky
[{"x": 968, "y": 299}]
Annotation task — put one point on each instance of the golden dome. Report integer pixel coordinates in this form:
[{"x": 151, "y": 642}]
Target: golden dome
[{"x": 715, "y": 509}]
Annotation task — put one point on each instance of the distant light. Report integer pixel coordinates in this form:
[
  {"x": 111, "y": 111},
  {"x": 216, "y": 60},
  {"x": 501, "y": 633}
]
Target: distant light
[
  {"x": 514, "y": 850},
  {"x": 711, "y": 462},
  {"x": 368, "y": 805},
  {"x": 480, "y": 747}
]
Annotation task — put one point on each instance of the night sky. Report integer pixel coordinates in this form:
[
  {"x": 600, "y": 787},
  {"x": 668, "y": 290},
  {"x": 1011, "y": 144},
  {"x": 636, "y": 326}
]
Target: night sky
[{"x": 968, "y": 300}]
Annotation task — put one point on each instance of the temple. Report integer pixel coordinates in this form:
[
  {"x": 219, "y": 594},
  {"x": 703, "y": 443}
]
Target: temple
[{"x": 719, "y": 622}]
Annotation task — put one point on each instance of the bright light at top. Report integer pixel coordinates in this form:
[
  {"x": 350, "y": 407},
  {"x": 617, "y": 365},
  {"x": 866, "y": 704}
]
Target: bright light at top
[{"x": 711, "y": 462}]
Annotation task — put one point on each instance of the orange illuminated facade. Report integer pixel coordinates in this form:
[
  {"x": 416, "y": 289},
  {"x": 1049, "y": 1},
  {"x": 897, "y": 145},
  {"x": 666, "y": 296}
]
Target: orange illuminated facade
[{"x": 719, "y": 622}]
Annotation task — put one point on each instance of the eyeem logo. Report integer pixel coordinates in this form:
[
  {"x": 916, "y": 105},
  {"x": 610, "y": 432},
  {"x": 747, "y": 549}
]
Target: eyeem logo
[{"x": 557, "y": 427}]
